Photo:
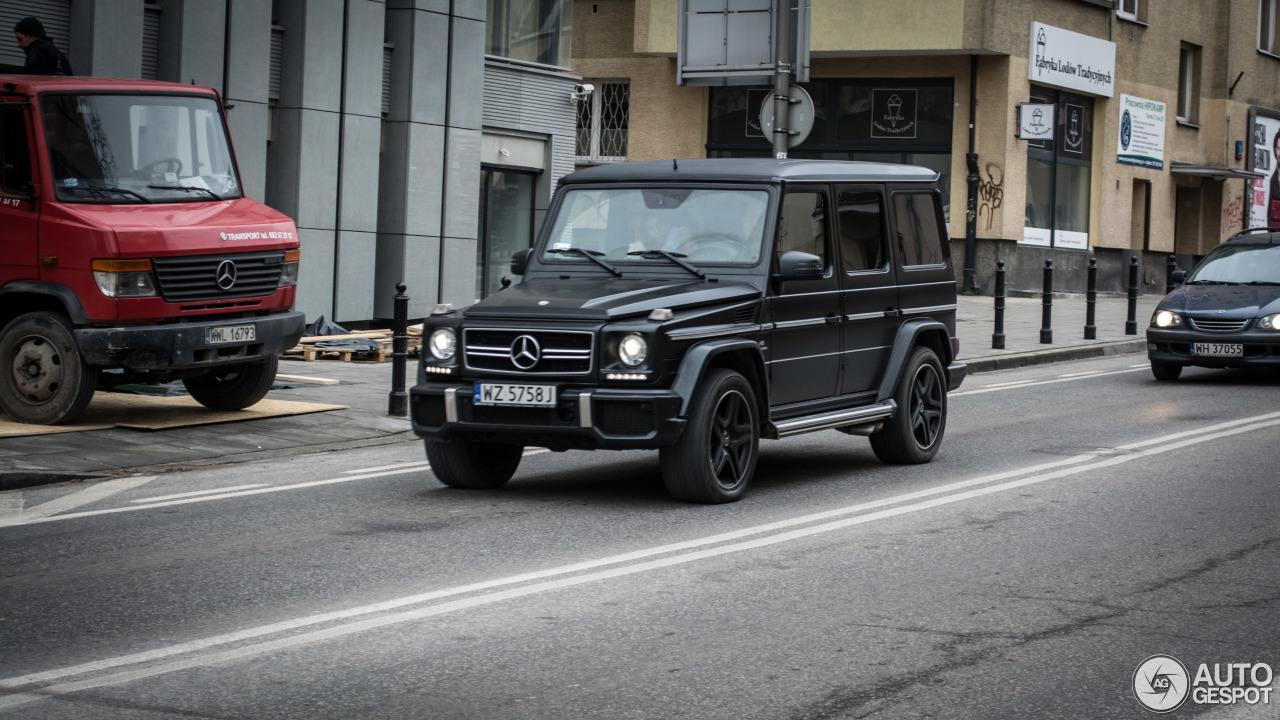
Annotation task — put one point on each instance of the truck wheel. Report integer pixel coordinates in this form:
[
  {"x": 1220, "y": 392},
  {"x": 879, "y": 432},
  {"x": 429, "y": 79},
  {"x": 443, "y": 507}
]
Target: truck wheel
[
  {"x": 43, "y": 379},
  {"x": 715, "y": 457},
  {"x": 473, "y": 465},
  {"x": 233, "y": 387},
  {"x": 913, "y": 435},
  {"x": 1165, "y": 371}
]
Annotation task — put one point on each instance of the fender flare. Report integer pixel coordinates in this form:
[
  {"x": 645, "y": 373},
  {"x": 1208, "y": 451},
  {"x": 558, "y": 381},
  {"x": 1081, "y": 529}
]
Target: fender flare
[
  {"x": 697, "y": 358},
  {"x": 64, "y": 294},
  {"x": 908, "y": 332}
]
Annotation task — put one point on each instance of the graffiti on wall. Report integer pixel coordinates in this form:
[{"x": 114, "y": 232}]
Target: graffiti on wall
[
  {"x": 991, "y": 191},
  {"x": 1232, "y": 216}
]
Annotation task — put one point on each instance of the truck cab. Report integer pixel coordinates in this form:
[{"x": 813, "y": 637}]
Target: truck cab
[{"x": 128, "y": 250}]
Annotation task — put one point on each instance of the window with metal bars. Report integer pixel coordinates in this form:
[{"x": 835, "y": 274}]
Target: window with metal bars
[{"x": 603, "y": 120}]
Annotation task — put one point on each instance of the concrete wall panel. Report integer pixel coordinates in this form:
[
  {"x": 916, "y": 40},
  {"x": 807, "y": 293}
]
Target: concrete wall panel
[
  {"x": 106, "y": 38},
  {"x": 458, "y": 281},
  {"x": 356, "y": 255},
  {"x": 466, "y": 82},
  {"x": 315, "y": 273},
  {"x": 362, "y": 136},
  {"x": 462, "y": 184},
  {"x": 248, "y": 124}
]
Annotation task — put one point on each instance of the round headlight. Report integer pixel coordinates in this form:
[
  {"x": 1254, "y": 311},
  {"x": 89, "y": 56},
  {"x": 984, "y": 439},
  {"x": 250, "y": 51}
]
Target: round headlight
[
  {"x": 443, "y": 343},
  {"x": 1165, "y": 319},
  {"x": 632, "y": 350},
  {"x": 1270, "y": 322}
]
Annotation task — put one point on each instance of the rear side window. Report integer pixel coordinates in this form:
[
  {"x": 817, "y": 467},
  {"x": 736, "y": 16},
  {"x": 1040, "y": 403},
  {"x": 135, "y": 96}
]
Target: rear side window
[
  {"x": 920, "y": 238},
  {"x": 803, "y": 225},
  {"x": 15, "y": 155},
  {"x": 861, "y": 231}
]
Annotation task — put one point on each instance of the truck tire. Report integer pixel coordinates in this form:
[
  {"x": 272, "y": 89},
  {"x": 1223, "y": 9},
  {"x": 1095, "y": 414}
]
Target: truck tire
[
  {"x": 912, "y": 436},
  {"x": 43, "y": 379},
  {"x": 715, "y": 457},
  {"x": 233, "y": 387},
  {"x": 461, "y": 463}
]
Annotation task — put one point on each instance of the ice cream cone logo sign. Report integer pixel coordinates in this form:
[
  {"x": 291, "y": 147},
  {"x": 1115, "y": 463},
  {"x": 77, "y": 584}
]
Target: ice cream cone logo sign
[
  {"x": 895, "y": 106},
  {"x": 894, "y": 113}
]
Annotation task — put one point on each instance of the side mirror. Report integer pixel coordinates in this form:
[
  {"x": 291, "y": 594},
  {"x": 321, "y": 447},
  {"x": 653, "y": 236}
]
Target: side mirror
[
  {"x": 520, "y": 261},
  {"x": 796, "y": 265},
  {"x": 1179, "y": 276}
]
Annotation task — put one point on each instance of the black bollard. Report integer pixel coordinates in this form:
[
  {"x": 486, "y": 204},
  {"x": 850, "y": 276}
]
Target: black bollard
[
  {"x": 1046, "y": 332},
  {"x": 398, "y": 401},
  {"x": 1131, "y": 325},
  {"x": 997, "y": 337},
  {"x": 1091, "y": 302},
  {"x": 1168, "y": 277}
]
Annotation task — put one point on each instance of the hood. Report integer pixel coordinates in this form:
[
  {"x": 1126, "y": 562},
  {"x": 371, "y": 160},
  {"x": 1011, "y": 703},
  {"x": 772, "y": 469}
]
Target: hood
[
  {"x": 1237, "y": 301},
  {"x": 606, "y": 298},
  {"x": 167, "y": 229}
]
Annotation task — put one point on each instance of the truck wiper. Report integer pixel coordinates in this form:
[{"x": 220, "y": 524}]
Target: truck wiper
[
  {"x": 1262, "y": 282},
  {"x": 588, "y": 254},
  {"x": 673, "y": 257},
  {"x": 213, "y": 194},
  {"x": 118, "y": 191},
  {"x": 1209, "y": 282}
]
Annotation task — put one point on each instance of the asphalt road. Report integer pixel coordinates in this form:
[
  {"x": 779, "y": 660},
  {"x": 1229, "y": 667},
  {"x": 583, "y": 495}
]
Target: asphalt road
[{"x": 1080, "y": 518}]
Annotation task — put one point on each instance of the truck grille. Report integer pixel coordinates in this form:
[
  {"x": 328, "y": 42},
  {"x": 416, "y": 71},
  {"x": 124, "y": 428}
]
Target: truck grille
[
  {"x": 1218, "y": 325},
  {"x": 217, "y": 277},
  {"x": 531, "y": 352}
]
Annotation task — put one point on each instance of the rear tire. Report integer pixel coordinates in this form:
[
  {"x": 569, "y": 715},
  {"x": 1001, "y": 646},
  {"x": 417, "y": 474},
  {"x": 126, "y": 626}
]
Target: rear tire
[
  {"x": 715, "y": 457},
  {"x": 1167, "y": 372},
  {"x": 914, "y": 434},
  {"x": 43, "y": 379},
  {"x": 470, "y": 465},
  {"x": 234, "y": 387}
]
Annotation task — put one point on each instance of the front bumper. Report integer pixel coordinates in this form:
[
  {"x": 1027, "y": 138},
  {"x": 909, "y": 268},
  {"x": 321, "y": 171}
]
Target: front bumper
[
  {"x": 185, "y": 345},
  {"x": 1261, "y": 349},
  {"x": 585, "y": 418}
]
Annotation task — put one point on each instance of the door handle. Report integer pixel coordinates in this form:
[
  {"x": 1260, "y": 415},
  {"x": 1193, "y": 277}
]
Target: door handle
[
  {"x": 832, "y": 318},
  {"x": 892, "y": 312}
]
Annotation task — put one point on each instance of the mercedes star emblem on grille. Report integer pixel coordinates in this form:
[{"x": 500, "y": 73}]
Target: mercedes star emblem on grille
[
  {"x": 525, "y": 352},
  {"x": 226, "y": 275}
]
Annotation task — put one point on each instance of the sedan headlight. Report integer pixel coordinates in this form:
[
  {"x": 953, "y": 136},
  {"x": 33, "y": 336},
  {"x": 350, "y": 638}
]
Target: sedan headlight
[
  {"x": 1165, "y": 318},
  {"x": 443, "y": 344},
  {"x": 632, "y": 350},
  {"x": 1270, "y": 322},
  {"x": 124, "y": 278}
]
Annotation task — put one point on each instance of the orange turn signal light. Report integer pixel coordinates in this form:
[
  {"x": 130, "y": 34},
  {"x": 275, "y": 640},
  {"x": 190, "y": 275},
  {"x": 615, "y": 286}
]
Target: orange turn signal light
[{"x": 143, "y": 265}]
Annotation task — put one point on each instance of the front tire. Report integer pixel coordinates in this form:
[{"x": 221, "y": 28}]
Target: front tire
[
  {"x": 715, "y": 457},
  {"x": 1168, "y": 372},
  {"x": 914, "y": 434},
  {"x": 461, "y": 463},
  {"x": 234, "y": 387},
  {"x": 43, "y": 379}
]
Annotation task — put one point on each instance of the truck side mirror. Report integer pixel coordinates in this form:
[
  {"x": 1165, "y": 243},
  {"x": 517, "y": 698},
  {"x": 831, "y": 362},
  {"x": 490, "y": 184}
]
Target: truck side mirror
[
  {"x": 1179, "y": 276},
  {"x": 520, "y": 261},
  {"x": 796, "y": 265}
]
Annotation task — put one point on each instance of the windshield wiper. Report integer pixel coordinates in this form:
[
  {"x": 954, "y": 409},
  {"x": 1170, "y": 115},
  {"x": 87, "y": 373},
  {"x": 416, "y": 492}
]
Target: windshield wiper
[
  {"x": 1209, "y": 282},
  {"x": 673, "y": 257},
  {"x": 118, "y": 191},
  {"x": 213, "y": 194},
  {"x": 1262, "y": 282},
  {"x": 588, "y": 254}
]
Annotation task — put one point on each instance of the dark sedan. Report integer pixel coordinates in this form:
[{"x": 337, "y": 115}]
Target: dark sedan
[{"x": 1227, "y": 312}]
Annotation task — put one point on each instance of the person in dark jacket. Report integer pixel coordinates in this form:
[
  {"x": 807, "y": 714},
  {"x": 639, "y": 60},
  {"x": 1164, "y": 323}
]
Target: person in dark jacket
[{"x": 43, "y": 57}]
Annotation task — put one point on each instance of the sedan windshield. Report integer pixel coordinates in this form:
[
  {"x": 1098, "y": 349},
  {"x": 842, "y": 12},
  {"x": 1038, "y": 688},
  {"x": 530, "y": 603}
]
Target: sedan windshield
[
  {"x": 638, "y": 225},
  {"x": 138, "y": 149},
  {"x": 1239, "y": 264}
]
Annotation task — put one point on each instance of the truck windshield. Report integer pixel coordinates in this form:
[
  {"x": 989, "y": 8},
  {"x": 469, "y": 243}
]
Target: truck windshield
[
  {"x": 138, "y": 149},
  {"x": 706, "y": 226}
]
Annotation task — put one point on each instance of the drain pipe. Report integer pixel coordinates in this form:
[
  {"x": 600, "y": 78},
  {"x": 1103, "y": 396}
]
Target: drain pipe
[{"x": 971, "y": 217}]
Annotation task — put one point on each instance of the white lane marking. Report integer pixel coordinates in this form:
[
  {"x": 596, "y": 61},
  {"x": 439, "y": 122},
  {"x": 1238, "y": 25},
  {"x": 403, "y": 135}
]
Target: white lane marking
[
  {"x": 1017, "y": 386},
  {"x": 1055, "y": 470},
  {"x": 11, "y": 504},
  {"x": 404, "y": 465},
  {"x": 196, "y": 493},
  {"x": 95, "y": 492}
]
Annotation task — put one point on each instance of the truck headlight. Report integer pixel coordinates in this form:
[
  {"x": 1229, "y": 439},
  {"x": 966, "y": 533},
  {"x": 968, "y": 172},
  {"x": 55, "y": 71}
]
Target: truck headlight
[
  {"x": 289, "y": 273},
  {"x": 1270, "y": 322},
  {"x": 124, "y": 278},
  {"x": 632, "y": 350},
  {"x": 1165, "y": 318},
  {"x": 443, "y": 344}
]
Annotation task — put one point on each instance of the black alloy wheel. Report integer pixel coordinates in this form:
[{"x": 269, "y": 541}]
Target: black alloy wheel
[
  {"x": 715, "y": 458},
  {"x": 914, "y": 434}
]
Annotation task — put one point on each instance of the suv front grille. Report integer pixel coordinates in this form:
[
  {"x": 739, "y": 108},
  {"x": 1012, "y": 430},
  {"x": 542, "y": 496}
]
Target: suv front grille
[
  {"x": 533, "y": 352},
  {"x": 1211, "y": 325},
  {"x": 205, "y": 277}
]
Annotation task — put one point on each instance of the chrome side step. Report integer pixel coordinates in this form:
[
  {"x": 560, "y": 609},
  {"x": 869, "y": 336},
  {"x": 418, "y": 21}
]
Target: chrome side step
[{"x": 840, "y": 418}]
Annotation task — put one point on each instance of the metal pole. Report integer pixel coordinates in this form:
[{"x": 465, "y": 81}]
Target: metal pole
[
  {"x": 997, "y": 337},
  {"x": 1091, "y": 302},
  {"x": 971, "y": 161},
  {"x": 398, "y": 400},
  {"x": 781, "y": 78},
  {"x": 1046, "y": 331},
  {"x": 1131, "y": 325}
]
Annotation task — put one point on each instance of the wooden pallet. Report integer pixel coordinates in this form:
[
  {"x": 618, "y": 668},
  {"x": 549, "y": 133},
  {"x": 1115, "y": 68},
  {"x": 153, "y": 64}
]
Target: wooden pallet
[
  {"x": 311, "y": 352},
  {"x": 306, "y": 348}
]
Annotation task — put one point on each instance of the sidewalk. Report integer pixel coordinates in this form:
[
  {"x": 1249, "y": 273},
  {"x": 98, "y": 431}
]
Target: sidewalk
[{"x": 364, "y": 388}]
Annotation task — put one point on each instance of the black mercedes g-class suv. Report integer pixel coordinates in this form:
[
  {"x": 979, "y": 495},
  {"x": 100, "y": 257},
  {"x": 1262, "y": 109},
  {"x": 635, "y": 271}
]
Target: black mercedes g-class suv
[{"x": 696, "y": 306}]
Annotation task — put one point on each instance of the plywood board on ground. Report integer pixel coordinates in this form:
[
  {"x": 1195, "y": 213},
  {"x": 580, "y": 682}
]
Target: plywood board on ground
[{"x": 147, "y": 412}]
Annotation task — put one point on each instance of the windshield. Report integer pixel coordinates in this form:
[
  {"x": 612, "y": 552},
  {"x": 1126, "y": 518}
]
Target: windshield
[
  {"x": 1239, "y": 264},
  {"x": 632, "y": 225},
  {"x": 138, "y": 148}
]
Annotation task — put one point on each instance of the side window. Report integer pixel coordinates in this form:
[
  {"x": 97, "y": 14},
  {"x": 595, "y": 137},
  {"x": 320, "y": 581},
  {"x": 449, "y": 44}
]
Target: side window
[
  {"x": 920, "y": 236},
  {"x": 803, "y": 225},
  {"x": 15, "y": 156},
  {"x": 861, "y": 231}
]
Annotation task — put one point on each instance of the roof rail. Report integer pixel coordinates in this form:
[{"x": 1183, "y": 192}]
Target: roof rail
[{"x": 1253, "y": 231}]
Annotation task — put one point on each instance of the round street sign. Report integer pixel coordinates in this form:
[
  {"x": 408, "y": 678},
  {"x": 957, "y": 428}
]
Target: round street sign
[{"x": 799, "y": 116}]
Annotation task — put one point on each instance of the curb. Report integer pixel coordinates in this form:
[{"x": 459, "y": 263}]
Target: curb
[
  {"x": 18, "y": 479},
  {"x": 1043, "y": 357}
]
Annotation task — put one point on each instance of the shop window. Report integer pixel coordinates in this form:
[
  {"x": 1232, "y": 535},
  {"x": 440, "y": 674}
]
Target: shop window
[
  {"x": 1058, "y": 175},
  {"x": 534, "y": 31},
  {"x": 506, "y": 225},
  {"x": 1189, "y": 84},
  {"x": 1269, "y": 26},
  {"x": 603, "y": 121}
]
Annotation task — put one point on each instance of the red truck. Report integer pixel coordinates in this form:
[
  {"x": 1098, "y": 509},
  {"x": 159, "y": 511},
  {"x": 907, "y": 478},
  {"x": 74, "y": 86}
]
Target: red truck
[{"x": 128, "y": 251}]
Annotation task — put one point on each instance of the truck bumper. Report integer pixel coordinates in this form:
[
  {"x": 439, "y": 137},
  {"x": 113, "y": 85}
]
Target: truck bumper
[
  {"x": 186, "y": 345},
  {"x": 583, "y": 418}
]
